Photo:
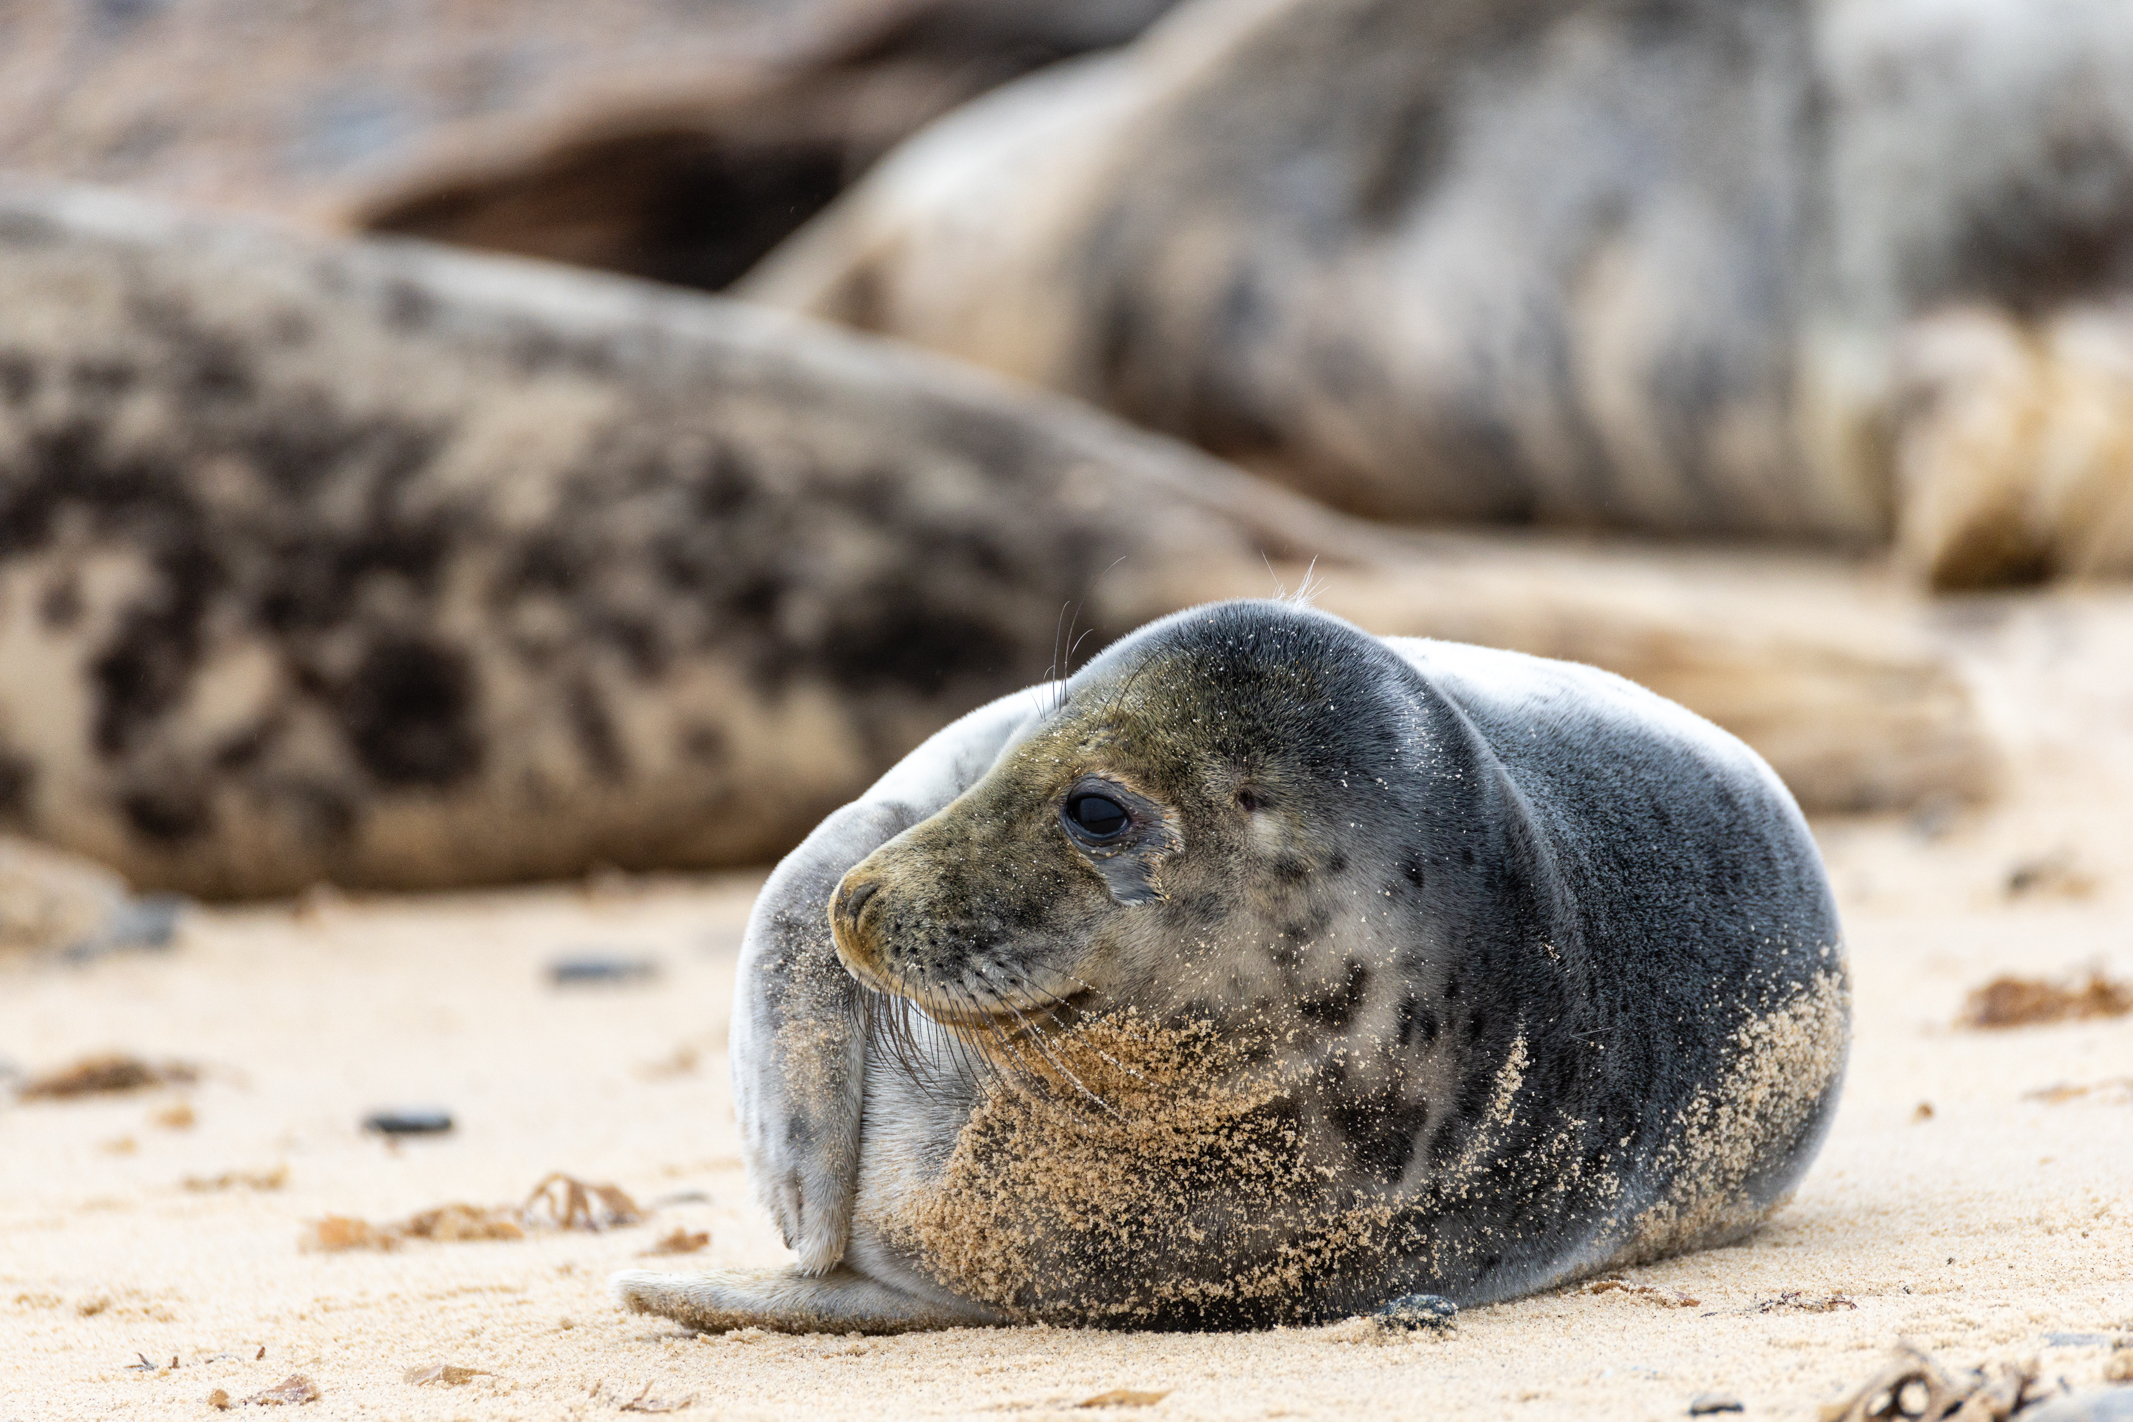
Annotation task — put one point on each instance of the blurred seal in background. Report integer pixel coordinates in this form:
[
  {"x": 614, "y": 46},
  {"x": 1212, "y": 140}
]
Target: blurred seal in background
[{"x": 377, "y": 564}]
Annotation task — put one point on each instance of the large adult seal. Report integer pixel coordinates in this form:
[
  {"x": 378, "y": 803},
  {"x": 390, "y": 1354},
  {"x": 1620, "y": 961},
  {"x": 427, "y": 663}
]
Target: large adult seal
[
  {"x": 1596, "y": 262},
  {"x": 392, "y": 567},
  {"x": 1266, "y": 970}
]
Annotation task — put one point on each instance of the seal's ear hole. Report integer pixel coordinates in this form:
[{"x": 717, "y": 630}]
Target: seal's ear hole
[{"x": 1248, "y": 800}]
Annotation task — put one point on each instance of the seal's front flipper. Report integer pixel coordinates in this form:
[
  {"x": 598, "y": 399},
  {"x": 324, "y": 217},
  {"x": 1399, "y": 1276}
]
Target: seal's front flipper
[
  {"x": 788, "y": 1301},
  {"x": 799, "y": 1038}
]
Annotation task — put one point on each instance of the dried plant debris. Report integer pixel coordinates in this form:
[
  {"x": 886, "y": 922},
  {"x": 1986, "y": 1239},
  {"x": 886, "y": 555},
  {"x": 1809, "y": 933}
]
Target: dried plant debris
[
  {"x": 1123, "y": 1397},
  {"x": 291, "y": 1390},
  {"x": 219, "y": 1400},
  {"x": 564, "y": 1202},
  {"x": 1798, "y": 1301},
  {"x": 1647, "y": 1293},
  {"x": 2029, "y": 1002},
  {"x": 338, "y": 1232},
  {"x": 104, "y": 1074},
  {"x": 2055, "y": 874},
  {"x": 678, "y": 1241},
  {"x": 1914, "y": 1385},
  {"x": 559, "y": 1202},
  {"x": 2117, "y": 1091},
  {"x": 451, "y": 1223},
  {"x": 450, "y": 1374},
  {"x": 175, "y": 1118},
  {"x": 445, "y": 1224},
  {"x": 645, "y": 1402},
  {"x": 1710, "y": 1403},
  {"x": 239, "y": 1180}
]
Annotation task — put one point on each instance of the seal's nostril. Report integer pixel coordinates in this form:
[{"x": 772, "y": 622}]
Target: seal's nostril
[{"x": 857, "y": 898}]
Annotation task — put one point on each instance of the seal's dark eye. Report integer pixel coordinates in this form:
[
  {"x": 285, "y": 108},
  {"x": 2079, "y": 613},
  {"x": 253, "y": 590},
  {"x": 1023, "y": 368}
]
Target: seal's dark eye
[{"x": 1097, "y": 816}]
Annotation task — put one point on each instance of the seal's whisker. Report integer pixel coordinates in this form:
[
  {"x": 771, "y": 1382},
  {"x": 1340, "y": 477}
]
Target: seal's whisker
[
  {"x": 886, "y": 1020},
  {"x": 975, "y": 1063},
  {"x": 1007, "y": 1044},
  {"x": 1054, "y": 673}
]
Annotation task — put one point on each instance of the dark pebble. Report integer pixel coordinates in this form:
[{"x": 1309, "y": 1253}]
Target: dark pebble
[
  {"x": 1419, "y": 1312},
  {"x": 1710, "y": 1402},
  {"x": 577, "y": 968},
  {"x": 2098, "y": 1404},
  {"x": 408, "y": 1123}
]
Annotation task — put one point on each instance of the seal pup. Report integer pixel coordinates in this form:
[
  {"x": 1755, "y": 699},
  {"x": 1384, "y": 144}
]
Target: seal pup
[{"x": 1265, "y": 970}]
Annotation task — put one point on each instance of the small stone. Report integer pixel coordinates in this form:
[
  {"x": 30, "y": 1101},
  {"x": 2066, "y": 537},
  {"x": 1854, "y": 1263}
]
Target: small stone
[
  {"x": 1419, "y": 1313},
  {"x": 579, "y": 969},
  {"x": 416, "y": 1122},
  {"x": 1704, "y": 1404}
]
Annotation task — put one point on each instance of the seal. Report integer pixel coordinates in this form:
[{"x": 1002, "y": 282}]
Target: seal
[
  {"x": 1265, "y": 970},
  {"x": 396, "y": 568},
  {"x": 387, "y": 566},
  {"x": 1581, "y": 262}
]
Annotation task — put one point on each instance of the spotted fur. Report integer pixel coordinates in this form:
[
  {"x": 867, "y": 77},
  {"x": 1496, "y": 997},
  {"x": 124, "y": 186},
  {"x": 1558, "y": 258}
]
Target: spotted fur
[
  {"x": 371, "y": 563},
  {"x": 1461, "y": 972}
]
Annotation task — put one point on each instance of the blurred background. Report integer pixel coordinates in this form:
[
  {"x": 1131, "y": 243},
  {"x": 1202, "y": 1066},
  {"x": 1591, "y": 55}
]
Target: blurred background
[
  {"x": 1708, "y": 342},
  {"x": 548, "y": 455}
]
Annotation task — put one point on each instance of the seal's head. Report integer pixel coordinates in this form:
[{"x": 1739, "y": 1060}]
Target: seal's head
[{"x": 1202, "y": 801}]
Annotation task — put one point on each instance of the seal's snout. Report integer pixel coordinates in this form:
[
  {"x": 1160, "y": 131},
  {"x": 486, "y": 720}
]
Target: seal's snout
[
  {"x": 849, "y": 924},
  {"x": 855, "y": 898}
]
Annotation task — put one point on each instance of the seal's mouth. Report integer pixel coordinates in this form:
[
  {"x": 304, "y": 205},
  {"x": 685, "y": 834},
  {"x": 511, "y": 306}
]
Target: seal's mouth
[{"x": 975, "y": 1019}]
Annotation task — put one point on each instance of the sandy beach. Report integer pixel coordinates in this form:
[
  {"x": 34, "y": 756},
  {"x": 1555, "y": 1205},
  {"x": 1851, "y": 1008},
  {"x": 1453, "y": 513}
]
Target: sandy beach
[{"x": 1973, "y": 1197}]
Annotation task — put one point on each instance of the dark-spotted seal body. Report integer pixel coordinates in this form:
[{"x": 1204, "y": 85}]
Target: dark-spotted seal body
[{"x": 1268, "y": 970}]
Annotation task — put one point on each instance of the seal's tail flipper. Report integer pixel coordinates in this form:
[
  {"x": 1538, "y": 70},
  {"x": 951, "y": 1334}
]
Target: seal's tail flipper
[{"x": 788, "y": 1301}]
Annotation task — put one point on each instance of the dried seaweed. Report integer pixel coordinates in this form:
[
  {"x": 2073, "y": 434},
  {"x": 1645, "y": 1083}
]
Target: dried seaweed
[
  {"x": 1914, "y": 1387},
  {"x": 559, "y": 1202},
  {"x": 1665, "y": 1298},
  {"x": 1797, "y": 1301},
  {"x": 2029, "y": 1002},
  {"x": 677, "y": 1241},
  {"x": 565, "y": 1202},
  {"x": 106, "y": 1073},
  {"x": 645, "y": 1402},
  {"x": 239, "y": 1180}
]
